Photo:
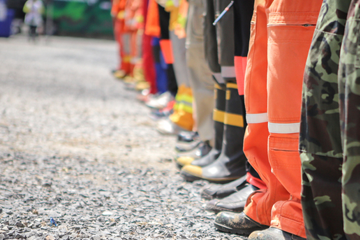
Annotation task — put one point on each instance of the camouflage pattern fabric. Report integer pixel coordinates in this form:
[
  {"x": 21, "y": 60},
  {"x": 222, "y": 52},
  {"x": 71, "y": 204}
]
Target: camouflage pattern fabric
[
  {"x": 349, "y": 94},
  {"x": 320, "y": 135}
]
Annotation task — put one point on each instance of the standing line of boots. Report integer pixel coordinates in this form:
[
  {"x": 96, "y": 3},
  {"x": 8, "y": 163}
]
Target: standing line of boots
[{"x": 226, "y": 79}]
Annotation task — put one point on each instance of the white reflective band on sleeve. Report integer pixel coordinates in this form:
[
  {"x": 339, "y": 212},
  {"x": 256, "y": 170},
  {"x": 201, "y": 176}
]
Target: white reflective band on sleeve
[
  {"x": 218, "y": 77},
  {"x": 284, "y": 127},
  {"x": 228, "y": 72},
  {"x": 256, "y": 118}
]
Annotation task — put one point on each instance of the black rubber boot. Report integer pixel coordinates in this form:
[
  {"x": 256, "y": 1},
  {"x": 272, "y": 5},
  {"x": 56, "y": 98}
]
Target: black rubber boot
[
  {"x": 219, "y": 114},
  {"x": 230, "y": 165}
]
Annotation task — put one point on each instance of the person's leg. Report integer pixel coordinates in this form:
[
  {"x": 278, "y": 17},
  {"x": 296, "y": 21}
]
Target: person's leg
[
  {"x": 194, "y": 35},
  {"x": 126, "y": 56},
  {"x": 290, "y": 28},
  {"x": 230, "y": 164},
  {"x": 350, "y": 117},
  {"x": 320, "y": 140},
  {"x": 183, "y": 108},
  {"x": 160, "y": 67},
  {"x": 134, "y": 51},
  {"x": 166, "y": 49},
  {"x": 149, "y": 64},
  {"x": 117, "y": 36},
  {"x": 199, "y": 73},
  {"x": 273, "y": 116},
  {"x": 32, "y": 32},
  {"x": 255, "y": 143}
]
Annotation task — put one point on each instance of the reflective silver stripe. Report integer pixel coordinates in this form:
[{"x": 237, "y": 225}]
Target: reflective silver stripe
[
  {"x": 228, "y": 72},
  {"x": 218, "y": 77},
  {"x": 284, "y": 127},
  {"x": 256, "y": 118},
  {"x": 134, "y": 60}
]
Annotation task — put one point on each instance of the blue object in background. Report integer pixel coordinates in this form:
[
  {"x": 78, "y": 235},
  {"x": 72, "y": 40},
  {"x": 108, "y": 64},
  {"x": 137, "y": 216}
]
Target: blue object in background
[{"x": 5, "y": 25}]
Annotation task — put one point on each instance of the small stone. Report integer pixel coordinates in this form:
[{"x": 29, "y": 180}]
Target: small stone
[
  {"x": 107, "y": 213},
  {"x": 50, "y": 237},
  {"x": 96, "y": 237},
  {"x": 77, "y": 227},
  {"x": 2, "y": 236},
  {"x": 20, "y": 224}
]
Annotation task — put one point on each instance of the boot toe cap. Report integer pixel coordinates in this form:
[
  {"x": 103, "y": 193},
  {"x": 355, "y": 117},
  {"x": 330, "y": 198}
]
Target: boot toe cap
[
  {"x": 184, "y": 160},
  {"x": 192, "y": 170}
]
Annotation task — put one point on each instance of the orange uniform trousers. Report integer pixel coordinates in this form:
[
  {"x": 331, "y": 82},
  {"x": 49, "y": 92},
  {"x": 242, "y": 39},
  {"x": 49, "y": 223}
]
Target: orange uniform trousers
[
  {"x": 123, "y": 53},
  {"x": 281, "y": 33},
  {"x": 118, "y": 12}
]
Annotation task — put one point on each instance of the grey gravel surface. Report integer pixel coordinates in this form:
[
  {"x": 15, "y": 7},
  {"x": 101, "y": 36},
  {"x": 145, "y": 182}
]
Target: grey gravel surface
[{"x": 79, "y": 156}]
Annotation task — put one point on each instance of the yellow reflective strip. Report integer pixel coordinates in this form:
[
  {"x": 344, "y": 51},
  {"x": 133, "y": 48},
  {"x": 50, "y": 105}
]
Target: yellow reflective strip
[
  {"x": 231, "y": 85},
  {"x": 126, "y": 59},
  {"x": 217, "y": 86},
  {"x": 187, "y": 98},
  {"x": 234, "y": 120},
  {"x": 184, "y": 98},
  {"x": 177, "y": 97},
  {"x": 185, "y": 108},
  {"x": 228, "y": 94},
  {"x": 218, "y": 116}
]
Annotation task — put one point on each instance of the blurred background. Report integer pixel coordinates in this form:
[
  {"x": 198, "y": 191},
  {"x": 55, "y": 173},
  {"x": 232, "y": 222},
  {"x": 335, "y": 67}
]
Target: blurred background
[{"x": 80, "y": 18}]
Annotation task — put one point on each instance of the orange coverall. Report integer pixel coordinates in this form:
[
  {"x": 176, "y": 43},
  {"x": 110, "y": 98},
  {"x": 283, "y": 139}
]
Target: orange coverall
[
  {"x": 281, "y": 33},
  {"x": 118, "y": 13},
  {"x": 133, "y": 23}
]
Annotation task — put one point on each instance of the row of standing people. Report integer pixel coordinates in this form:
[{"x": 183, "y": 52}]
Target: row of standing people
[{"x": 267, "y": 92}]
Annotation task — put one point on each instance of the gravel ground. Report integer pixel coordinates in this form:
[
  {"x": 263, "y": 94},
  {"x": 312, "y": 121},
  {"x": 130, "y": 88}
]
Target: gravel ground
[{"x": 79, "y": 157}]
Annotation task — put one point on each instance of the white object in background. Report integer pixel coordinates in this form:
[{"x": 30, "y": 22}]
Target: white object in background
[{"x": 3, "y": 11}]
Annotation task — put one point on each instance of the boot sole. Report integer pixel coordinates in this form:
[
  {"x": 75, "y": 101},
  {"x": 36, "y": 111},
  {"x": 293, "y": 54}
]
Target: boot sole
[
  {"x": 206, "y": 196},
  {"x": 242, "y": 232},
  {"x": 184, "y": 149},
  {"x": 217, "y": 210},
  {"x": 191, "y": 178}
]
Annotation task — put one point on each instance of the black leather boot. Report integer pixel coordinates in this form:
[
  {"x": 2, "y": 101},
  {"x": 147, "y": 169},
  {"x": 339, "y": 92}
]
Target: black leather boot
[
  {"x": 230, "y": 165},
  {"x": 219, "y": 114},
  {"x": 187, "y": 141},
  {"x": 237, "y": 223},
  {"x": 233, "y": 203},
  {"x": 202, "y": 150},
  {"x": 187, "y": 136},
  {"x": 219, "y": 191}
]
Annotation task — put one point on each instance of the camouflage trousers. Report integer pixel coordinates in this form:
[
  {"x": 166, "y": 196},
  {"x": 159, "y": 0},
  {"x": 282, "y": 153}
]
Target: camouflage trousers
[{"x": 330, "y": 125}]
